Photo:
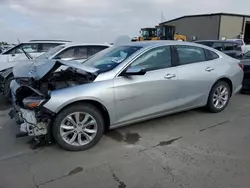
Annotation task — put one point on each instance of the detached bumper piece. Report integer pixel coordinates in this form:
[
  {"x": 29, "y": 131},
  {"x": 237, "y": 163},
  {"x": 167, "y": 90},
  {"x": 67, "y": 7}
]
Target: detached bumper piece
[{"x": 14, "y": 115}]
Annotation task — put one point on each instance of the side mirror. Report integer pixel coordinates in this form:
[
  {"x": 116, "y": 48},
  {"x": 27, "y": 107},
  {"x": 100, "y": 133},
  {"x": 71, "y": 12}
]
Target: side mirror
[{"x": 134, "y": 71}]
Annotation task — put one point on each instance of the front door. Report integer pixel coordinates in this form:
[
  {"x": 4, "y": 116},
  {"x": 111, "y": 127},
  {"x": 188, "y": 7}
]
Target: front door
[{"x": 150, "y": 94}]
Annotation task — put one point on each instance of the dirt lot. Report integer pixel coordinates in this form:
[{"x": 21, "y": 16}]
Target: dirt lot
[{"x": 194, "y": 149}]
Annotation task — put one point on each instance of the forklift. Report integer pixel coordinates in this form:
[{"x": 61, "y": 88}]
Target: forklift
[
  {"x": 167, "y": 32},
  {"x": 160, "y": 32},
  {"x": 148, "y": 33}
]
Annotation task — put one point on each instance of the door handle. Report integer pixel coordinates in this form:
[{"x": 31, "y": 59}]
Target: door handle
[
  {"x": 169, "y": 76},
  {"x": 209, "y": 69}
]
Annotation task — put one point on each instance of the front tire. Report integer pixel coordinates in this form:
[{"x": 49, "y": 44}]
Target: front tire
[
  {"x": 78, "y": 127},
  {"x": 219, "y": 97}
]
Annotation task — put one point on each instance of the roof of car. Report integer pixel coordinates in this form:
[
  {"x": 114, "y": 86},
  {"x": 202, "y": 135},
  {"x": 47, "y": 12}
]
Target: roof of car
[
  {"x": 53, "y": 41},
  {"x": 226, "y": 41},
  {"x": 85, "y": 44},
  {"x": 161, "y": 42},
  {"x": 50, "y": 42}
]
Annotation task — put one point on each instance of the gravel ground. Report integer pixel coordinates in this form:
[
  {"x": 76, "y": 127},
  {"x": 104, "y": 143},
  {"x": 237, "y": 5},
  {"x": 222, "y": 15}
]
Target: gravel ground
[{"x": 193, "y": 149}]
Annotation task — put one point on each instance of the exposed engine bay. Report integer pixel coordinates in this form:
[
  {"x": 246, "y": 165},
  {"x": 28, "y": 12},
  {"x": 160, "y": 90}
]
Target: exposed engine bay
[
  {"x": 57, "y": 80},
  {"x": 29, "y": 95}
]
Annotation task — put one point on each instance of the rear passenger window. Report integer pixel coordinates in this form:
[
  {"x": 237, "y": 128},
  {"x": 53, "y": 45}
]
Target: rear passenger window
[
  {"x": 211, "y": 55},
  {"x": 190, "y": 54}
]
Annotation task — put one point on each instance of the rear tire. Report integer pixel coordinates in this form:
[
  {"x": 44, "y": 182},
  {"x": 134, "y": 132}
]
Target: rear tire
[
  {"x": 219, "y": 97},
  {"x": 75, "y": 130}
]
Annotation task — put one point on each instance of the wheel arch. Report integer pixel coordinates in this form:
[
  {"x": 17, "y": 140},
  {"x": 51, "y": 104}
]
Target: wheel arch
[
  {"x": 227, "y": 80},
  {"x": 97, "y": 104}
]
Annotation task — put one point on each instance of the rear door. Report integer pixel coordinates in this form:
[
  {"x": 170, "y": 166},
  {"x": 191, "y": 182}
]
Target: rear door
[
  {"x": 195, "y": 75},
  {"x": 153, "y": 93}
]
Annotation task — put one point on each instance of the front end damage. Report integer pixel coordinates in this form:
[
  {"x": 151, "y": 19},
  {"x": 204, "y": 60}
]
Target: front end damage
[{"x": 29, "y": 94}]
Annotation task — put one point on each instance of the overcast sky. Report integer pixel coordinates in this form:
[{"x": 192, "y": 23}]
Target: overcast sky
[{"x": 98, "y": 20}]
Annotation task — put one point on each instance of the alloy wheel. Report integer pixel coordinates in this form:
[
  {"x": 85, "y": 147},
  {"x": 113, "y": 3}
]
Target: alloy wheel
[
  {"x": 220, "y": 97},
  {"x": 78, "y": 129}
]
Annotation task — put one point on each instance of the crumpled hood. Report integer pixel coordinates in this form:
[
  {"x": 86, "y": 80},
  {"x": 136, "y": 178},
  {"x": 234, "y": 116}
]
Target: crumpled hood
[{"x": 37, "y": 69}]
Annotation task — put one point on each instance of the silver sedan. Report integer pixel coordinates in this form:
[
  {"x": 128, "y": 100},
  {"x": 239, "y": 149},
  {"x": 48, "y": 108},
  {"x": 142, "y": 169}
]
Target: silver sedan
[{"x": 121, "y": 85}]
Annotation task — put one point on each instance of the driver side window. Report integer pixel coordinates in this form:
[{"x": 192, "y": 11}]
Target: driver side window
[{"x": 154, "y": 59}]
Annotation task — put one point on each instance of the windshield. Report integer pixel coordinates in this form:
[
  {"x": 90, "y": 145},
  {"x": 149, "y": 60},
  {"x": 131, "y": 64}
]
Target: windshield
[
  {"x": 159, "y": 32},
  {"x": 109, "y": 58},
  {"x": 51, "y": 53},
  {"x": 145, "y": 33}
]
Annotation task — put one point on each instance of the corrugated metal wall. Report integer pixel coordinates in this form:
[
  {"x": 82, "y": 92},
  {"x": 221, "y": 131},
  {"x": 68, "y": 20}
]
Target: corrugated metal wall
[
  {"x": 230, "y": 26},
  {"x": 204, "y": 27}
]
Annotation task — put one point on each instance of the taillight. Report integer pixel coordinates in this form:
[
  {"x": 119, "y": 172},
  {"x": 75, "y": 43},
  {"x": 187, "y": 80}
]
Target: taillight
[{"x": 241, "y": 65}]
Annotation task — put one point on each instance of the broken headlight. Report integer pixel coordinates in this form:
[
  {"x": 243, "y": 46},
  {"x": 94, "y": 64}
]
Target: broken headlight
[{"x": 33, "y": 102}]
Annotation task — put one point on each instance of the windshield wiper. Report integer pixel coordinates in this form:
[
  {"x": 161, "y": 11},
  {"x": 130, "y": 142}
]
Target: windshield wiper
[{"x": 26, "y": 54}]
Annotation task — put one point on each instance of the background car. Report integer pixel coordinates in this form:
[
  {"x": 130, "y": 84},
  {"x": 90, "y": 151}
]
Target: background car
[
  {"x": 244, "y": 47},
  {"x": 246, "y": 81},
  {"x": 34, "y": 48},
  {"x": 230, "y": 48},
  {"x": 121, "y": 85},
  {"x": 66, "y": 52}
]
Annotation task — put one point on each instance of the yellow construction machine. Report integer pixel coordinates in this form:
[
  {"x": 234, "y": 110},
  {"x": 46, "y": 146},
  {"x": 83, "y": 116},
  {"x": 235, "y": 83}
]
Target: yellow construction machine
[
  {"x": 148, "y": 33},
  {"x": 160, "y": 32}
]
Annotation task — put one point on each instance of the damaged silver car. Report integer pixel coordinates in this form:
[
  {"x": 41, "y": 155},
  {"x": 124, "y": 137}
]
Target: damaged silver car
[{"x": 118, "y": 86}]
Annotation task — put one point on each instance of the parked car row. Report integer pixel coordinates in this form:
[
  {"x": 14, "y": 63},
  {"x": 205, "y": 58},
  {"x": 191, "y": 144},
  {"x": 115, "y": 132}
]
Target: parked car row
[
  {"x": 231, "y": 48},
  {"x": 235, "y": 49},
  {"x": 68, "y": 51},
  {"x": 74, "y": 102}
]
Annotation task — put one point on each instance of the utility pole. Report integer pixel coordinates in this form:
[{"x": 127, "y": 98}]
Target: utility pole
[{"x": 162, "y": 17}]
